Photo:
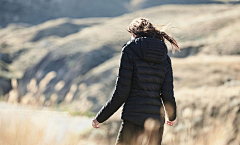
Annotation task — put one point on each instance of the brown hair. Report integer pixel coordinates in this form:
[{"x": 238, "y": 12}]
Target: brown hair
[{"x": 142, "y": 27}]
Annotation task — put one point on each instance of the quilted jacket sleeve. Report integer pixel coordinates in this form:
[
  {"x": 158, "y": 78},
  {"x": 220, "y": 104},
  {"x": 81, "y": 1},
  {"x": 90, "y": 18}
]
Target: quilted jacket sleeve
[
  {"x": 122, "y": 86},
  {"x": 168, "y": 93}
]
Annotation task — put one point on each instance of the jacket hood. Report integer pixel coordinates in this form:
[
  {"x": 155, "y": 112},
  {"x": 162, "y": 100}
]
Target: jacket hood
[{"x": 149, "y": 49}]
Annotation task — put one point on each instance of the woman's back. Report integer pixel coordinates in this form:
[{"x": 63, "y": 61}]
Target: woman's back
[
  {"x": 144, "y": 78},
  {"x": 150, "y": 63}
]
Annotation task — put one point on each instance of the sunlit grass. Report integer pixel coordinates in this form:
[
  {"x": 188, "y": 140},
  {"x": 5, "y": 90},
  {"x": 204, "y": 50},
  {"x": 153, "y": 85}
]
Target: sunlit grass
[{"x": 20, "y": 129}]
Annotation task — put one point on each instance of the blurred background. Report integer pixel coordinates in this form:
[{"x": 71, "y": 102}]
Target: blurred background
[{"x": 59, "y": 61}]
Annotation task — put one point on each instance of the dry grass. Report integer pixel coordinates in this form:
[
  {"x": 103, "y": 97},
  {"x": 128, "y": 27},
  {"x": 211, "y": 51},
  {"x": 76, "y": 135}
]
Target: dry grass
[
  {"x": 23, "y": 131},
  {"x": 35, "y": 96},
  {"x": 205, "y": 71},
  {"x": 20, "y": 129},
  {"x": 190, "y": 91},
  {"x": 20, "y": 132}
]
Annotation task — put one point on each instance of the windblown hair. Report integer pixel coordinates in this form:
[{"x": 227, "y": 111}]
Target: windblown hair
[{"x": 142, "y": 27}]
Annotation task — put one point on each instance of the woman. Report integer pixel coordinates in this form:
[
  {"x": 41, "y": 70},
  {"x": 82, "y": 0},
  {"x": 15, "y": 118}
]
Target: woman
[{"x": 144, "y": 80}]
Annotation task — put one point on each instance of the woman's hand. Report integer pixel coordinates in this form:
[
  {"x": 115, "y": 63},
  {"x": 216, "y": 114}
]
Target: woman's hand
[
  {"x": 95, "y": 123},
  {"x": 171, "y": 123}
]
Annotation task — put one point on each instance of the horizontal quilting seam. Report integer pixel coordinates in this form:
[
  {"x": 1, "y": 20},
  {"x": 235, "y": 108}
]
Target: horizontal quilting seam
[
  {"x": 130, "y": 115},
  {"x": 144, "y": 61},
  {"x": 156, "y": 75},
  {"x": 150, "y": 75},
  {"x": 140, "y": 89},
  {"x": 149, "y": 82},
  {"x": 155, "y": 69},
  {"x": 145, "y": 90},
  {"x": 130, "y": 106},
  {"x": 150, "y": 104},
  {"x": 149, "y": 97},
  {"x": 150, "y": 67},
  {"x": 147, "y": 112},
  {"x": 153, "y": 94},
  {"x": 137, "y": 83}
]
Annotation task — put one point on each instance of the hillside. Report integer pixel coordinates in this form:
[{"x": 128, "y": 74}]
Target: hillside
[
  {"x": 72, "y": 64},
  {"x": 34, "y": 12},
  {"x": 73, "y": 47}
]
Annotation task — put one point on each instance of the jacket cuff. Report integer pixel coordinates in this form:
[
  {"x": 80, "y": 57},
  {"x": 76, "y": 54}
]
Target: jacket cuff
[{"x": 98, "y": 119}]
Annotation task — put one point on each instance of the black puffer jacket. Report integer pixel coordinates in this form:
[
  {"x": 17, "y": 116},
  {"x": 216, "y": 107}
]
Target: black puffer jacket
[{"x": 145, "y": 76}]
